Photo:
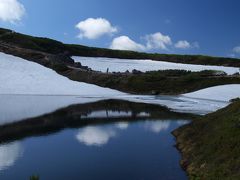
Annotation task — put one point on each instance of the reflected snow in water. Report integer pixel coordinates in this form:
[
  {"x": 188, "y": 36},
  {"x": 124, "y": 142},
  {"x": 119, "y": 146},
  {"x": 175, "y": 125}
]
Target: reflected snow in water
[
  {"x": 18, "y": 107},
  {"x": 117, "y": 140}
]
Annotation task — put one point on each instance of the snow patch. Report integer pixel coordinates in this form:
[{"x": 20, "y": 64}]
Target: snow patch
[
  {"x": 219, "y": 93},
  {"x": 122, "y": 65},
  {"x": 19, "y": 76},
  {"x": 22, "y": 81}
]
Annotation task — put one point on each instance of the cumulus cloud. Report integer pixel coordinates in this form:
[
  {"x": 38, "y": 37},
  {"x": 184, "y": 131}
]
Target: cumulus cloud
[
  {"x": 155, "y": 41},
  {"x": 158, "y": 41},
  {"x": 236, "y": 50},
  {"x": 11, "y": 11},
  {"x": 183, "y": 45},
  {"x": 94, "y": 28},
  {"x": 125, "y": 43},
  {"x": 94, "y": 136}
]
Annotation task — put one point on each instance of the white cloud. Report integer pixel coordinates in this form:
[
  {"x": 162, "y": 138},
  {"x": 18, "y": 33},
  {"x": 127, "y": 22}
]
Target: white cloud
[
  {"x": 11, "y": 10},
  {"x": 158, "y": 41},
  {"x": 125, "y": 43},
  {"x": 94, "y": 28},
  {"x": 182, "y": 45},
  {"x": 94, "y": 136},
  {"x": 236, "y": 49}
]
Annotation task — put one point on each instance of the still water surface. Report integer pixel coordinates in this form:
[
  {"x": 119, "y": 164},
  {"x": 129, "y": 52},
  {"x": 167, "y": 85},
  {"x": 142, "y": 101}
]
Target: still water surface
[{"x": 101, "y": 140}]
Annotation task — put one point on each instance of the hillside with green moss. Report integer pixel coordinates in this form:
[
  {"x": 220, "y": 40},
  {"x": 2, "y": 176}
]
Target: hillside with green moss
[
  {"x": 169, "y": 82},
  {"x": 210, "y": 145}
]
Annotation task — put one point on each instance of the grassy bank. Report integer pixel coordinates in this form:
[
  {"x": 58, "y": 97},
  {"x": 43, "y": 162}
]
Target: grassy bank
[
  {"x": 55, "y": 47},
  {"x": 210, "y": 145},
  {"x": 156, "y": 82}
]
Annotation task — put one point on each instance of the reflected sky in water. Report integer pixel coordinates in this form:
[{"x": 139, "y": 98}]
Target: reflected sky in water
[
  {"x": 18, "y": 107},
  {"x": 101, "y": 140},
  {"x": 140, "y": 150}
]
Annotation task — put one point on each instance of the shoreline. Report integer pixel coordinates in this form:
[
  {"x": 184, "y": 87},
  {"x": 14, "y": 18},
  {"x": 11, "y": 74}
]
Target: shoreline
[{"x": 208, "y": 141}]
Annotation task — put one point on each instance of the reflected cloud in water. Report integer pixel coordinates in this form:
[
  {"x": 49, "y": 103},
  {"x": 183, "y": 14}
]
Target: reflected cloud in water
[
  {"x": 157, "y": 126},
  {"x": 182, "y": 122},
  {"x": 122, "y": 125},
  {"x": 9, "y": 153},
  {"x": 95, "y": 136}
]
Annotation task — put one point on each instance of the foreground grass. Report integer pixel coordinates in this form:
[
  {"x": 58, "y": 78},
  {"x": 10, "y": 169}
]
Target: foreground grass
[{"x": 211, "y": 145}]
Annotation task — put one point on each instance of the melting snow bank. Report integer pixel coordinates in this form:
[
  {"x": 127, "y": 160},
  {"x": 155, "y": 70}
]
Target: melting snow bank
[
  {"x": 220, "y": 93},
  {"x": 19, "y": 76},
  {"x": 122, "y": 65},
  {"x": 181, "y": 103},
  {"x": 18, "y": 107},
  {"x": 200, "y": 102},
  {"x": 28, "y": 79}
]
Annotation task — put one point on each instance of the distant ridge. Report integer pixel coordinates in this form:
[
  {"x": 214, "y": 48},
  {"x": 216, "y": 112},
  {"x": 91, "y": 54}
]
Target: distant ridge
[{"x": 51, "y": 46}]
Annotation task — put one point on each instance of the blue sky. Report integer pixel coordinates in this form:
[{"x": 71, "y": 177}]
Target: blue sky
[{"x": 210, "y": 27}]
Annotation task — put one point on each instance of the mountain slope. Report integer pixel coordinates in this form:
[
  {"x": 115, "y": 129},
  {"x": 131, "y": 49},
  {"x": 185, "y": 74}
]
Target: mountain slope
[{"x": 55, "y": 47}]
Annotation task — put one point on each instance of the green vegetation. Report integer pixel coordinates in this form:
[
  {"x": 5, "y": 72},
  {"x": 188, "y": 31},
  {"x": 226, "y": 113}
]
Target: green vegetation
[
  {"x": 210, "y": 145},
  {"x": 156, "y": 82},
  {"x": 55, "y": 47},
  {"x": 29, "y": 42}
]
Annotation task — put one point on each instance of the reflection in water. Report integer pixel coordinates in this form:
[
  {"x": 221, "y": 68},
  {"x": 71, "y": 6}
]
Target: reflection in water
[
  {"x": 112, "y": 114},
  {"x": 95, "y": 136},
  {"x": 9, "y": 153},
  {"x": 134, "y": 154},
  {"x": 157, "y": 126},
  {"x": 122, "y": 125},
  {"x": 19, "y": 107},
  {"x": 183, "y": 122},
  {"x": 183, "y": 103},
  {"x": 75, "y": 117},
  {"x": 106, "y": 114}
]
